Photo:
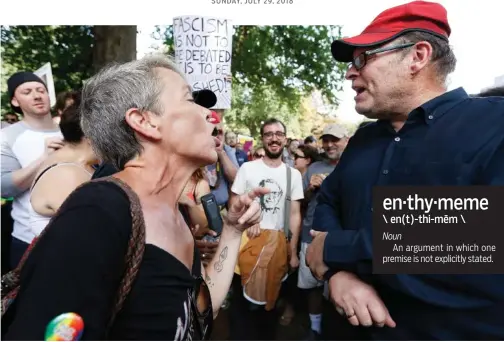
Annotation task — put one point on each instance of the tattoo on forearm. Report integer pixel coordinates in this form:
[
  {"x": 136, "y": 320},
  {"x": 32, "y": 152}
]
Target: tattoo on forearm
[
  {"x": 208, "y": 281},
  {"x": 222, "y": 256}
]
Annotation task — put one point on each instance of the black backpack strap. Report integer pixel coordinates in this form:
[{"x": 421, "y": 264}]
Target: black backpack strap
[
  {"x": 133, "y": 258},
  {"x": 287, "y": 208},
  {"x": 136, "y": 247}
]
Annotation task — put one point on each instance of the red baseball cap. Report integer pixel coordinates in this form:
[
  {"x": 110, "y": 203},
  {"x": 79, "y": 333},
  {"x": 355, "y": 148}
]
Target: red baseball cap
[{"x": 423, "y": 16}]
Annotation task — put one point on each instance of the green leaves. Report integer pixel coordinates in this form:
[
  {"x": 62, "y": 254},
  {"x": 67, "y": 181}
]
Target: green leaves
[
  {"x": 291, "y": 61},
  {"x": 68, "y": 48},
  {"x": 275, "y": 70},
  {"x": 249, "y": 108}
]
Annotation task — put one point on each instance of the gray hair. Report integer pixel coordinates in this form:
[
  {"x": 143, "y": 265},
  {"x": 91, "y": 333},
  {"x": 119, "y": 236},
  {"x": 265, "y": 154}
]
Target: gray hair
[
  {"x": 228, "y": 133},
  {"x": 107, "y": 96},
  {"x": 443, "y": 58}
]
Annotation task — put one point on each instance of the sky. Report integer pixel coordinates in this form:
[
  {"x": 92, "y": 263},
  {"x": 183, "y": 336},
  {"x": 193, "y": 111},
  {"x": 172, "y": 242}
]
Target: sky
[{"x": 475, "y": 26}]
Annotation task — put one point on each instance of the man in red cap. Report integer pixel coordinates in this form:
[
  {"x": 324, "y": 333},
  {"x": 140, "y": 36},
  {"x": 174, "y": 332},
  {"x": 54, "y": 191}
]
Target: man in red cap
[{"x": 424, "y": 135}]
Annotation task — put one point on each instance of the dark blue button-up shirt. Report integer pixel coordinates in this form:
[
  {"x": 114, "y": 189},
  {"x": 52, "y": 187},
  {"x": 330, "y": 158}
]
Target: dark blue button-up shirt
[{"x": 453, "y": 139}]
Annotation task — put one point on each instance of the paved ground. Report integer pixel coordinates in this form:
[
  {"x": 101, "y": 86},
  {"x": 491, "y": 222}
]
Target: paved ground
[{"x": 295, "y": 331}]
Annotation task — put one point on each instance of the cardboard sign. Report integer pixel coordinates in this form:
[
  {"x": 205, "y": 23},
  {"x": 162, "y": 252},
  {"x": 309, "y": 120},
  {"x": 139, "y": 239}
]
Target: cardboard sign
[
  {"x": 203, "y": 49},
  {"x": 45, "y": 73}
]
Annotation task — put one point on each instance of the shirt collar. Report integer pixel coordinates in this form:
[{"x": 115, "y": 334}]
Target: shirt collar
[{"x": 434, "y": 109}]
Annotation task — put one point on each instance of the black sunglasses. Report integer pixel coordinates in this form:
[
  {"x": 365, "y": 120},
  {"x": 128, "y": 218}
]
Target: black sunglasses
[
  {"x": 297, "y": 156},
  {"x": 201, "y": 303},
  {"x": 360, "y": 61}
]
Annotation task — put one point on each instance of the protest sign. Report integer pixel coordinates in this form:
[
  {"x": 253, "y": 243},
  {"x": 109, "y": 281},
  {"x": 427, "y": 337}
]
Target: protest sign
[
  {"x": 203, "y": 48},
  {"x": 45, "y": 73}
]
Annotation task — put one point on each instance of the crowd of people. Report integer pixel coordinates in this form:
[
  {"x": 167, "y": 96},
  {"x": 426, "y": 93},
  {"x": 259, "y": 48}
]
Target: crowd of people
[{"x": 108, "y": 221}]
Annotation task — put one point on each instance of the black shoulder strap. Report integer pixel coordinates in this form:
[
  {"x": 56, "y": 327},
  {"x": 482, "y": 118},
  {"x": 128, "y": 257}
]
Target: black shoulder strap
[
  {"x": 287, "y": 208},
  {"x": 133, "y": 258},
  {"x": 136, "y": 247},
  {"x": 41, "y": 174}
]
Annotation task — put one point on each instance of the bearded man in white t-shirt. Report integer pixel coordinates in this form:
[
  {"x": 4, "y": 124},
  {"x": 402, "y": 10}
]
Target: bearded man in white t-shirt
[{"x": 269, "y": 172}]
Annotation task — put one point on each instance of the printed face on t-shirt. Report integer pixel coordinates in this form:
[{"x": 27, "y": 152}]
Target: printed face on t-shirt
[{"x": 271, "y": 201}]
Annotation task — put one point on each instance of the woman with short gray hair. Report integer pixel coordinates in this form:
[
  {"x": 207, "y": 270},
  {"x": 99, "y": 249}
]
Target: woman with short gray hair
[{"x": 138, "y": 116}]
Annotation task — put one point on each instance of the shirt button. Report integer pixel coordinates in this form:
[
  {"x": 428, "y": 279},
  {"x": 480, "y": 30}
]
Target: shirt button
[
  {"x": 397, "y": 139},
  {"x": 431, "y": 117},
  {"x": 385, "y": 172}
]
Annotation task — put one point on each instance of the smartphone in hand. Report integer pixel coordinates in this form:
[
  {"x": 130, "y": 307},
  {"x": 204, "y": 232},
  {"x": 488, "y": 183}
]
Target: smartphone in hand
[{"x": 212, "y": 213}]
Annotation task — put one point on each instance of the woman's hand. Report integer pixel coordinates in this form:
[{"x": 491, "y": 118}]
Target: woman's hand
[{"x": 245, "y": 211}]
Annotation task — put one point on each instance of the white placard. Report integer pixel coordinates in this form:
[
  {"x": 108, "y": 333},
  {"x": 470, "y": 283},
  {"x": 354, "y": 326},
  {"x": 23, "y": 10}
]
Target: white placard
[
  {"x": 203, "y": 49},
  {"x": 45, "y": 73}
]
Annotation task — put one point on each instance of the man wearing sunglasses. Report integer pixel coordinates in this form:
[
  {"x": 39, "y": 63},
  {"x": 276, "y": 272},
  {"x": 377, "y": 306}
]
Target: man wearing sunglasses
[
  {"x": 424, "y": 136},
  {"x": 11, "y": 118},
  {"x": 334, "y": 139}
]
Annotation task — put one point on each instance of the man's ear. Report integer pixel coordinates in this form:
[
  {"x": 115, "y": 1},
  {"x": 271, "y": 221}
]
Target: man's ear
[
  {"x": 14, "y": 102},
  {"x": 422, "y": 53},
  {"x": 144, "y": 123}
]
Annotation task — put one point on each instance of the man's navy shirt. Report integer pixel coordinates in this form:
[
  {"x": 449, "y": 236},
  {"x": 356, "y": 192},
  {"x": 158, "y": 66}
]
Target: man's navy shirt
[
  {"x": 241, "y": 157},
  {"x": 453, "y": 139}
]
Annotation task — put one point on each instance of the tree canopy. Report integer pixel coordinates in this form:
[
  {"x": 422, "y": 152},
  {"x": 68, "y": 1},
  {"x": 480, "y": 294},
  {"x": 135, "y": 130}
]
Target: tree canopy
[
  {"x": 290, "y": 61},
  {"x": 75, "y": 52},
  {"x": 68, "y": 48},
  {"x": 275, "y": 68}
]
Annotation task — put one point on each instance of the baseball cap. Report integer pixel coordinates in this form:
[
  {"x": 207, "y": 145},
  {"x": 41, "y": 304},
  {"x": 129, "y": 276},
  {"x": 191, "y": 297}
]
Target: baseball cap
[
  {"x": 417, "y": 16},
  {"x": 16, "y": 80},
  {"x": 205, "y": 98},
  {"x": 335, "y": 130},
  {"x": 310, "y": 139}
]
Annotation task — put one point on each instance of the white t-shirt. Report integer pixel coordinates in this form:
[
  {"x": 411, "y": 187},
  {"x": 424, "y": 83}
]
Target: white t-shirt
[
  {"x": 257, "y": 174},
  {"x": 21, "y": 145}
]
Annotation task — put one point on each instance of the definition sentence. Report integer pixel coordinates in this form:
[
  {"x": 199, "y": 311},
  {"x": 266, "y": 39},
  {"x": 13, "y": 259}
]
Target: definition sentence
[
  {"x": 464, "y": 247},
  {"x": 445, "y": 259}
]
